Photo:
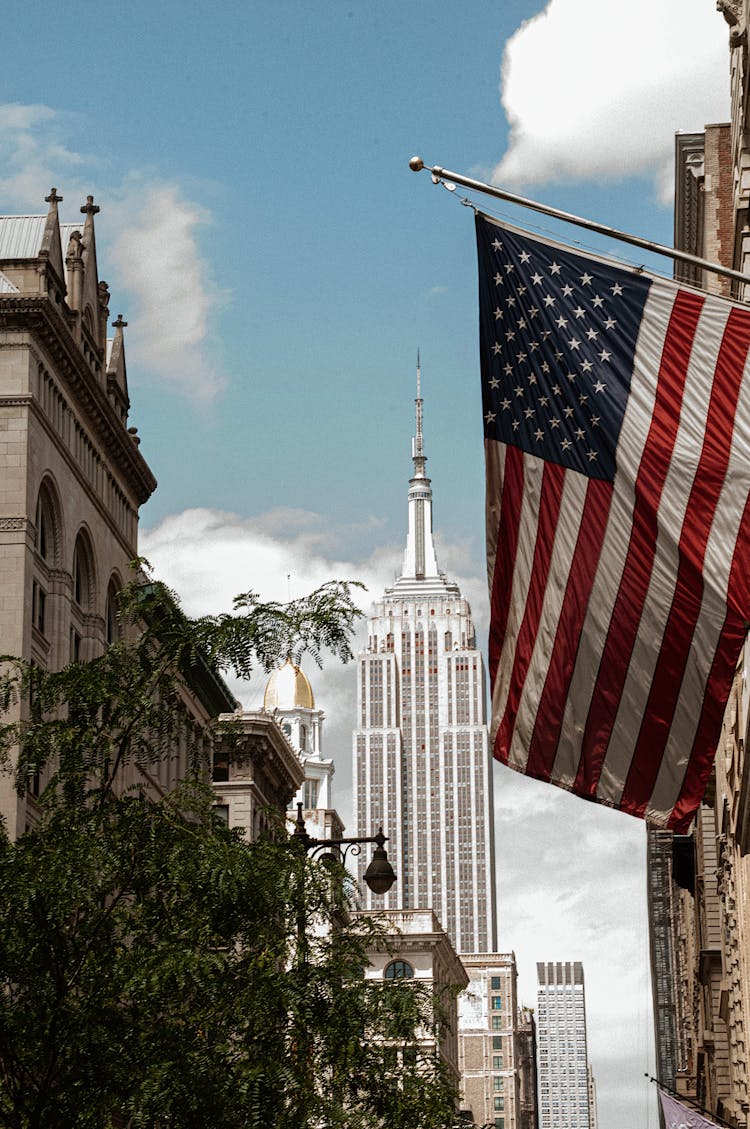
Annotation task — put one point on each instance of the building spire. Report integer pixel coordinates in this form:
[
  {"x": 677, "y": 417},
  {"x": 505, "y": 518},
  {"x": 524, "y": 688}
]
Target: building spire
[
  {"x": 420, "y": 560},
  {"x": 417, "y": 448}
]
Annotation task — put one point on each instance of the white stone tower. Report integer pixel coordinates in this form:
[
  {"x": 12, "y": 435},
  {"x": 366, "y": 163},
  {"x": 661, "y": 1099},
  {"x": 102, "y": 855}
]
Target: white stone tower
[
  {"x": 422, "y": 766},
  {"x": 289, "y": 697}
]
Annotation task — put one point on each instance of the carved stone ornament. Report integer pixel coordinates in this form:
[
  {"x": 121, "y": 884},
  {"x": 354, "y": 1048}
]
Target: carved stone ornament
[
  {"x": 12, "y": 524},
  {"x": 732, "y": 11},
  {"x": 104, "y": 296},
  {"x": 75, "y": 246}
]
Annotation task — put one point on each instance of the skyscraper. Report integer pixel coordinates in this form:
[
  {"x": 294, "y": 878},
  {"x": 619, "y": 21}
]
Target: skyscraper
[
  {"x": 422, "y": 768},
  {"x": 565, "y": 1082}
]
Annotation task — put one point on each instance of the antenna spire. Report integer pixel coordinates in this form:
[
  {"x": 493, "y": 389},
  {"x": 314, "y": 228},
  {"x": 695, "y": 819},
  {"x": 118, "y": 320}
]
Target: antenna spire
[
  {"x": 420, "y": 560},
  {"x": 417, "y": 446}
]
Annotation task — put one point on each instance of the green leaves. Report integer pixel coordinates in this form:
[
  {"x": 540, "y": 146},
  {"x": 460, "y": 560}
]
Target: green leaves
[
  {"x": 83, "y": 723},
  {"x": 150, "y": 965},
  {"x": 155, "y": 969}
]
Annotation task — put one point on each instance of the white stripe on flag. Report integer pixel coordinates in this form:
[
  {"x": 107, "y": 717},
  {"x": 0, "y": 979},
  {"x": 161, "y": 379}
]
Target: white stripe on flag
[
  {"x": 571, "y": 510},
  {"x": 533, "y": 471}
]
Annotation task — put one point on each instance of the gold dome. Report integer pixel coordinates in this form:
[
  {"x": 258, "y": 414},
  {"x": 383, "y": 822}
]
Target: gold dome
[{"x": 287, "y": 689}]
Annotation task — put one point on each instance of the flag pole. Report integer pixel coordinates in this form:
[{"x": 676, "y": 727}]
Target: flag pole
[
  {"x": 713, "y": 1117},
  {"x": 416, "y": 164}
]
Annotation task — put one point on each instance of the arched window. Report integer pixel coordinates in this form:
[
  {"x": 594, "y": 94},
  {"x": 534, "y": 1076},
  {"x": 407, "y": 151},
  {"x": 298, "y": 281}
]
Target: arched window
[
  {"x": 47, "y": 525},
  {"x": 303, "y": 738},
  {"x": 83, "y": 574},
  {"x": 399, "y": 970}
]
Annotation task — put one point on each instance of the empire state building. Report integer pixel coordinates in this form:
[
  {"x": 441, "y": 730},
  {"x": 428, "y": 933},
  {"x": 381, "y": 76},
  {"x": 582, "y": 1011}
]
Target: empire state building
[{"x": 422, "y": 767}]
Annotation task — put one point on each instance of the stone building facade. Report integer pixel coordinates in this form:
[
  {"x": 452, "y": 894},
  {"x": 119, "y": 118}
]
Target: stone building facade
[
  {"x": 417, "y": 947},
  {"x": 528, "y": 1105},
  {"x": 255, "y": 783},
  {"x": 497, "y": 1062},
  {"x": 72, "y": 476}
]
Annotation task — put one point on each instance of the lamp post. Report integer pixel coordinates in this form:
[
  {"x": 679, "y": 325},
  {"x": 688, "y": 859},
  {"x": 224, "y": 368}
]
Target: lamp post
[{"x": 379, "y": 875}]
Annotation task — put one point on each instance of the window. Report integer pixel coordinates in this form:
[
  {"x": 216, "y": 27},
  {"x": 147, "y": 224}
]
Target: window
[
  {"x": 46, "y": 525},
  {"x": 310, "y": 795},
  {"x": 499, "y": 1123},
  {"x": 497, "y": 1043},
  {"x": 497, "y": 1083},
  {"x": 399, "y": 970},
  {"x": 497, "y": 1023},
  {"x": 497, "y": 1061},
  {"x": 222, "y": 811},
  {"x": 83, "y": 574},
  {"x": 497, "y": 1003},
  {"x": 303, "y": 738},
  {"x": 499, "y": 1102},
  {"x": 75, "y": 646},
  {"x": 38, "y": 606}
]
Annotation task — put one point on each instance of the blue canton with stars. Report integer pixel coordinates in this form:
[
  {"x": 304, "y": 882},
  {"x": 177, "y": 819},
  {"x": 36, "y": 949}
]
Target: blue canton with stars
[{"x": 557, "y": 333}]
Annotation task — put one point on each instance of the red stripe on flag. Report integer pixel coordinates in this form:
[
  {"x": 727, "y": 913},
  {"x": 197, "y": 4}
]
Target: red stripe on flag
[
  {"x": 718, "y": 685},
  {"x": 551, "y": 711},
  {"x": 553, "y": 478},
  {"x": 628, "y": 607},
  {"x": 688, "y": 592},
  {"x": 507, "y": 544},
  {"x": 715, "y": 698}
]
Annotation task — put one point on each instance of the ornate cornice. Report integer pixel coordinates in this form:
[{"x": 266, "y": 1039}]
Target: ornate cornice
[
  {"x": 15, "y": 401},
  {"x": 38, "y": 316}
]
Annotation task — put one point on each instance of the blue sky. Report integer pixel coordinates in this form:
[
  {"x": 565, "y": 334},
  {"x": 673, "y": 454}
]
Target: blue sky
[{"x": 279, "y": 265}]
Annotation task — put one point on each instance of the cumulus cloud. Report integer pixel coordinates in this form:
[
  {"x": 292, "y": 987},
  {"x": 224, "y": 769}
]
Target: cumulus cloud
[
  {"x": 596, "y": 89},
  {"x": 161, "y": 280},
  {"x": 156, "y": 256}
]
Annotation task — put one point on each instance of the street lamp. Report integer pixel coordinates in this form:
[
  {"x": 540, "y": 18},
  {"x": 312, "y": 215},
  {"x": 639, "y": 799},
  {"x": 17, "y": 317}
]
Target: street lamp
[{"x": 379, "y": 875}]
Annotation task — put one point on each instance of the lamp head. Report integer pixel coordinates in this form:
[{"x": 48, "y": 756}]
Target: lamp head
[{"x": 379, "y": 875}]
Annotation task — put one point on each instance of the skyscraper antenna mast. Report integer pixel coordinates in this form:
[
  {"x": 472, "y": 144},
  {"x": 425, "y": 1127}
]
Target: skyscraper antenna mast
[{"x": 418, "y": 449}]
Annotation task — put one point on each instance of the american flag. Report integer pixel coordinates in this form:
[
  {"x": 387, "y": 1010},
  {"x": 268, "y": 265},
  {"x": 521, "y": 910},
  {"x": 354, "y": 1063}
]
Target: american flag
[{"x": 617, "y": 436}]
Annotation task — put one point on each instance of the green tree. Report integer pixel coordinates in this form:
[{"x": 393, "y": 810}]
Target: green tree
[{"x": 155, "y": 969}]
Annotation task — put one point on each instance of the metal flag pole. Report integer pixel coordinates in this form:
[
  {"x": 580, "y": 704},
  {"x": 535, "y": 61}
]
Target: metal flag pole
[
  {"x": 709, "y": 1116},
  {"x": 416, "y": 164}
]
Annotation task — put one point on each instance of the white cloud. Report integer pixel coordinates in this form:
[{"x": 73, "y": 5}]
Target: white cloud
[
  {"x": 162, "y": 281},
  {"x": 156, "y": 256},
  {"x": 596, "y": 89}
]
